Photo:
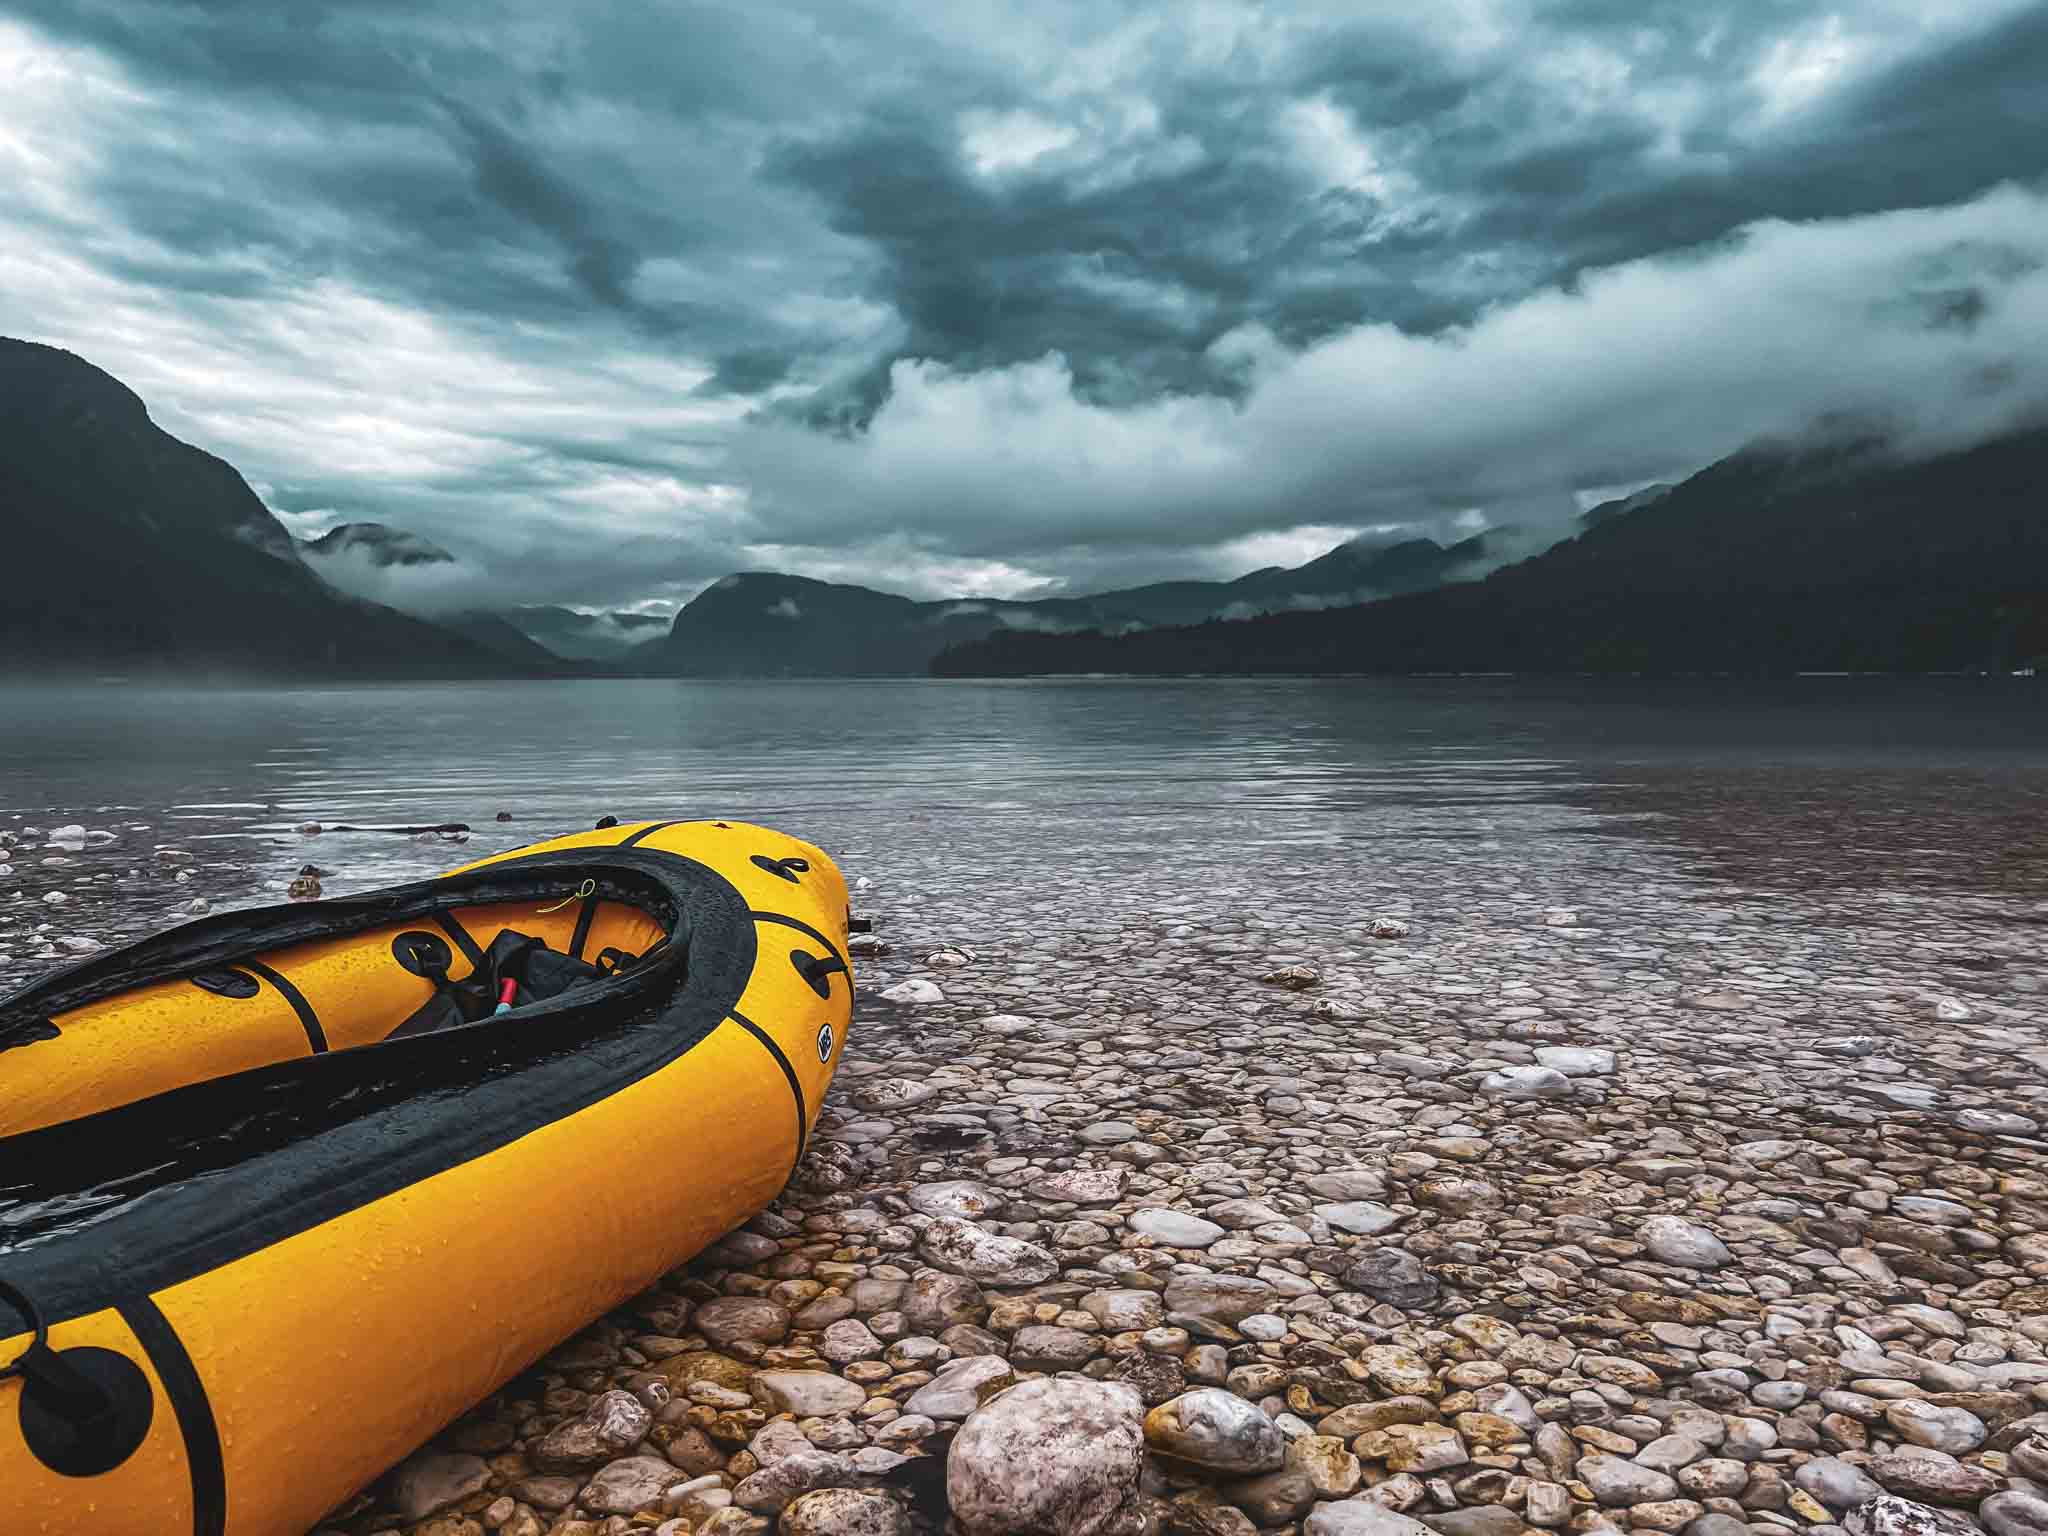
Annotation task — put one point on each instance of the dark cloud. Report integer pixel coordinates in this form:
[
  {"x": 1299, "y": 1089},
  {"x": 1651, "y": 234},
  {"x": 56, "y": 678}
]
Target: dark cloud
[{"x": 611, "y": 297}]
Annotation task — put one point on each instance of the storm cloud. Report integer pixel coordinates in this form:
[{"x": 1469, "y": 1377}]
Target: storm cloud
[{"x": 614, "y": 298}]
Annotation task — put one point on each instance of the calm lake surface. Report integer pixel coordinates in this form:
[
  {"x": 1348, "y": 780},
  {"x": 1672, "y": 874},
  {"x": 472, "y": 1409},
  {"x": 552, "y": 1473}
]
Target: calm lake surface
[{"x": 1246, "y": 793}]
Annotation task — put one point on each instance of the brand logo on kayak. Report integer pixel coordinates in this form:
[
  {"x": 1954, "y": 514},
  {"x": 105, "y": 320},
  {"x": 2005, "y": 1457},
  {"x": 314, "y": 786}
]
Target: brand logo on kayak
[{"x": 824, "y": 1042}]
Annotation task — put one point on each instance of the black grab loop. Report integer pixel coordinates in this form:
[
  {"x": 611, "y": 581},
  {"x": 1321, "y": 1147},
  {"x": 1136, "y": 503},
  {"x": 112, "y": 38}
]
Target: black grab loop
[
  {"x": 783, "y": 869},
  {"x": 227, "y": 983},
  {"x": 83, "y": 1411},
  {"x": 817, "y": 970},
  {"x": 424, "y": 954}
]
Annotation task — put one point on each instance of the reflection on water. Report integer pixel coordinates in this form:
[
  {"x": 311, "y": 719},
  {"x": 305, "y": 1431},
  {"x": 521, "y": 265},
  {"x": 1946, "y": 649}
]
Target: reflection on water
[{"x": 1822, "y": 779}]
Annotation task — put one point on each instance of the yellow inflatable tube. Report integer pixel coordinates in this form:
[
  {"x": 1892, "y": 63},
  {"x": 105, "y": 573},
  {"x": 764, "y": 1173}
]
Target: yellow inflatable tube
[{"x": 261, "y": 1237}]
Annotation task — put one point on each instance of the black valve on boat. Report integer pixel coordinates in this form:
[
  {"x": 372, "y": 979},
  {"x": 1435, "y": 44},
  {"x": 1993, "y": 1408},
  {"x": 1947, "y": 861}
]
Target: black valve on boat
[{"x": 83, "y": 1411}]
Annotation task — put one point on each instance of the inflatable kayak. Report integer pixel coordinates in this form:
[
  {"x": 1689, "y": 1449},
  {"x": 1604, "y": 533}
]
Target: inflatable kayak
[{"x": 284, "y": 1191}]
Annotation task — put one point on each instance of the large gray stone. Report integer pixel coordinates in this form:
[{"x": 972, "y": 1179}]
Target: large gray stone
[
  {"x": 1891, "y": 1516},
  {"x": 1618, "y": 1483},
  {"x": 1218, "y": 1298},
  {"x": 731, "y": 1319},
  {"x": 627, "y": 1486},
  {"x": 1347, "y": 1184},
  {"x": 1916, "y": 1473},
  {"x": 1362, "y": 1516},
  {"x": 1218, "y": 1430},
  {"x": 2014, "y": 1513},
  {"x": 1059, "y": 1456},
  {"x": 843, "y": 1512},
  {"x": 808, "y": 1394},
  {"x": 987, "y": 1257},
  {"x": 934, "y": 1301},
  {"x": 1176, "y": 1229},
  {"x": 1273, "y": 1498},
  {"x": 1082, "y": 1186},
  {"x": 427, "y": 1483},
  {"x": 615, "y": 1422},
  {"x": 1124, "y": 1311},
  {"x": 961, "y": 1386},
  {"x": 954, "y": 1197},
  {"x": 780, "y": 1482},
  {"x": 1674, "y": 1240},
  {"x": 1366, "y": 1218},
  {"x": 1048, "y": 1347},
  {"x": 1955, "y": 1430},
  {"x": 1526, "y": 1083},
  {"x": 1395, "y": 1276},
  {"x": 1668, "y": 1453},
  {"x": 1107, "y": 1133},
  {"x": 1836, "y": 1483}
]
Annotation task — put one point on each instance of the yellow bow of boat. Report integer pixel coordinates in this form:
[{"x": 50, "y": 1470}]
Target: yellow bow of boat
[{"x": 283, "y": 1192}]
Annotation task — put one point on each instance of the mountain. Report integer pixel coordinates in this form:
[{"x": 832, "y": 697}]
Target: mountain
[
  {"x": 1621, "y": 506},
  {"x": 1777, "y": 560},
  {"x": 127, "y": 546},
  {"x": 356, "y": 558},
  {"x": 757, "y": 623},
  {"x": 360, "y": 557},
  {"x": 378, "y": 544},
  {"x": 587, "y": 636},
  {"x": 764, "y": 624},
  {"x": 498, "y": 634}
]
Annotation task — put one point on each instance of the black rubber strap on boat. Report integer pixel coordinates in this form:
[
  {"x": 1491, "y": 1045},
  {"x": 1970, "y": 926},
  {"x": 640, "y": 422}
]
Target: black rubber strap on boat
[
  {"x": 796, "y": 1089},
  {"x": 315, "y": 1035},
  {"x": 454, "y": 929},
  {"x": 646, "y": 832},
  {"x": 807, "y": 930},
  {"x": 584, "y": 919},
  {"x": 818, "y": 970},
  {"x": 180, "y": 1378}
]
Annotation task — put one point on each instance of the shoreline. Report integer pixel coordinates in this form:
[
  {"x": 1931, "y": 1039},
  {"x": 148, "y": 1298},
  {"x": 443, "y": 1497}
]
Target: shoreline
[
  {"x": 1660, "y": 1212},
  {"x": 1306, "y": 1250}
]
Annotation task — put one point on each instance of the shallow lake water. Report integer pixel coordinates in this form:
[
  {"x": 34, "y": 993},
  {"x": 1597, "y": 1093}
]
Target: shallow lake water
[
  {"x": 1855, "y": 780},
  {"x": 1789, "y": 941}
]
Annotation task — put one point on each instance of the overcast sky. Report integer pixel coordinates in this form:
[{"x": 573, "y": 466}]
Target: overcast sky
[{"x": 614, "y": 296}]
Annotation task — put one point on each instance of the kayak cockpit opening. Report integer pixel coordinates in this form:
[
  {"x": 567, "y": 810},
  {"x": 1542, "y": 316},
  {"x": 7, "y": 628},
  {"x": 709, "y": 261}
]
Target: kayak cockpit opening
[
  {"x": 238, "y": 991},
  {"x": 514, "y": 969}
]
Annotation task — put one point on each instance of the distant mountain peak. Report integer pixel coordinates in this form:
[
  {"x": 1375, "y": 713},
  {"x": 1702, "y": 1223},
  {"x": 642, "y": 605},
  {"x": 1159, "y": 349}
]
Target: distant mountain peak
[
  {"x": 1621, "y": 506},
  {"x": 150, "y": 552},
  {"x": 379, "y": 543},
  {"x": 50, "y": 382}
]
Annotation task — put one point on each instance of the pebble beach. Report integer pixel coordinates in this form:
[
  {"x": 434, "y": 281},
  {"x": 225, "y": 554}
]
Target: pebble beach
[{"x": 1538, "y": 1164}]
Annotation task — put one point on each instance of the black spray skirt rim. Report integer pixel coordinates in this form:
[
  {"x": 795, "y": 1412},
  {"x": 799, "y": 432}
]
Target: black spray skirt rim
[{"x": 141, "y": 1197}]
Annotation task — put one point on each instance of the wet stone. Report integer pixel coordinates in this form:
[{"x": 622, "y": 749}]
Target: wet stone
[
  {"x": 984, "y": 1256},
  {"x": 1394, "y": 1276},
  {"x": 427, "y": 1483},
  {"x": 1176, "y": 1229},
  {"x": 627, "y": 1486},
  {"x": 1889, "y": 1516},
  {"x": 615, "y": 1422},
  {"x": 1216, "y": 1430},
  {"x": 1363, "y": 1516},
  {"x": 1054, "y": 1457}
]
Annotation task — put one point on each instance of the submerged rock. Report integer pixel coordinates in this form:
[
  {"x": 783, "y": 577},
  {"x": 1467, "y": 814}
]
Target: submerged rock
[
  {"x": 615, "y": 1422},
  {"x": 1217, "y": 1430},
  {"x": 1675, "y": 1240},
  {"x": 1054, "y": 1457},
  {"x": 985, "y": 1256}
]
